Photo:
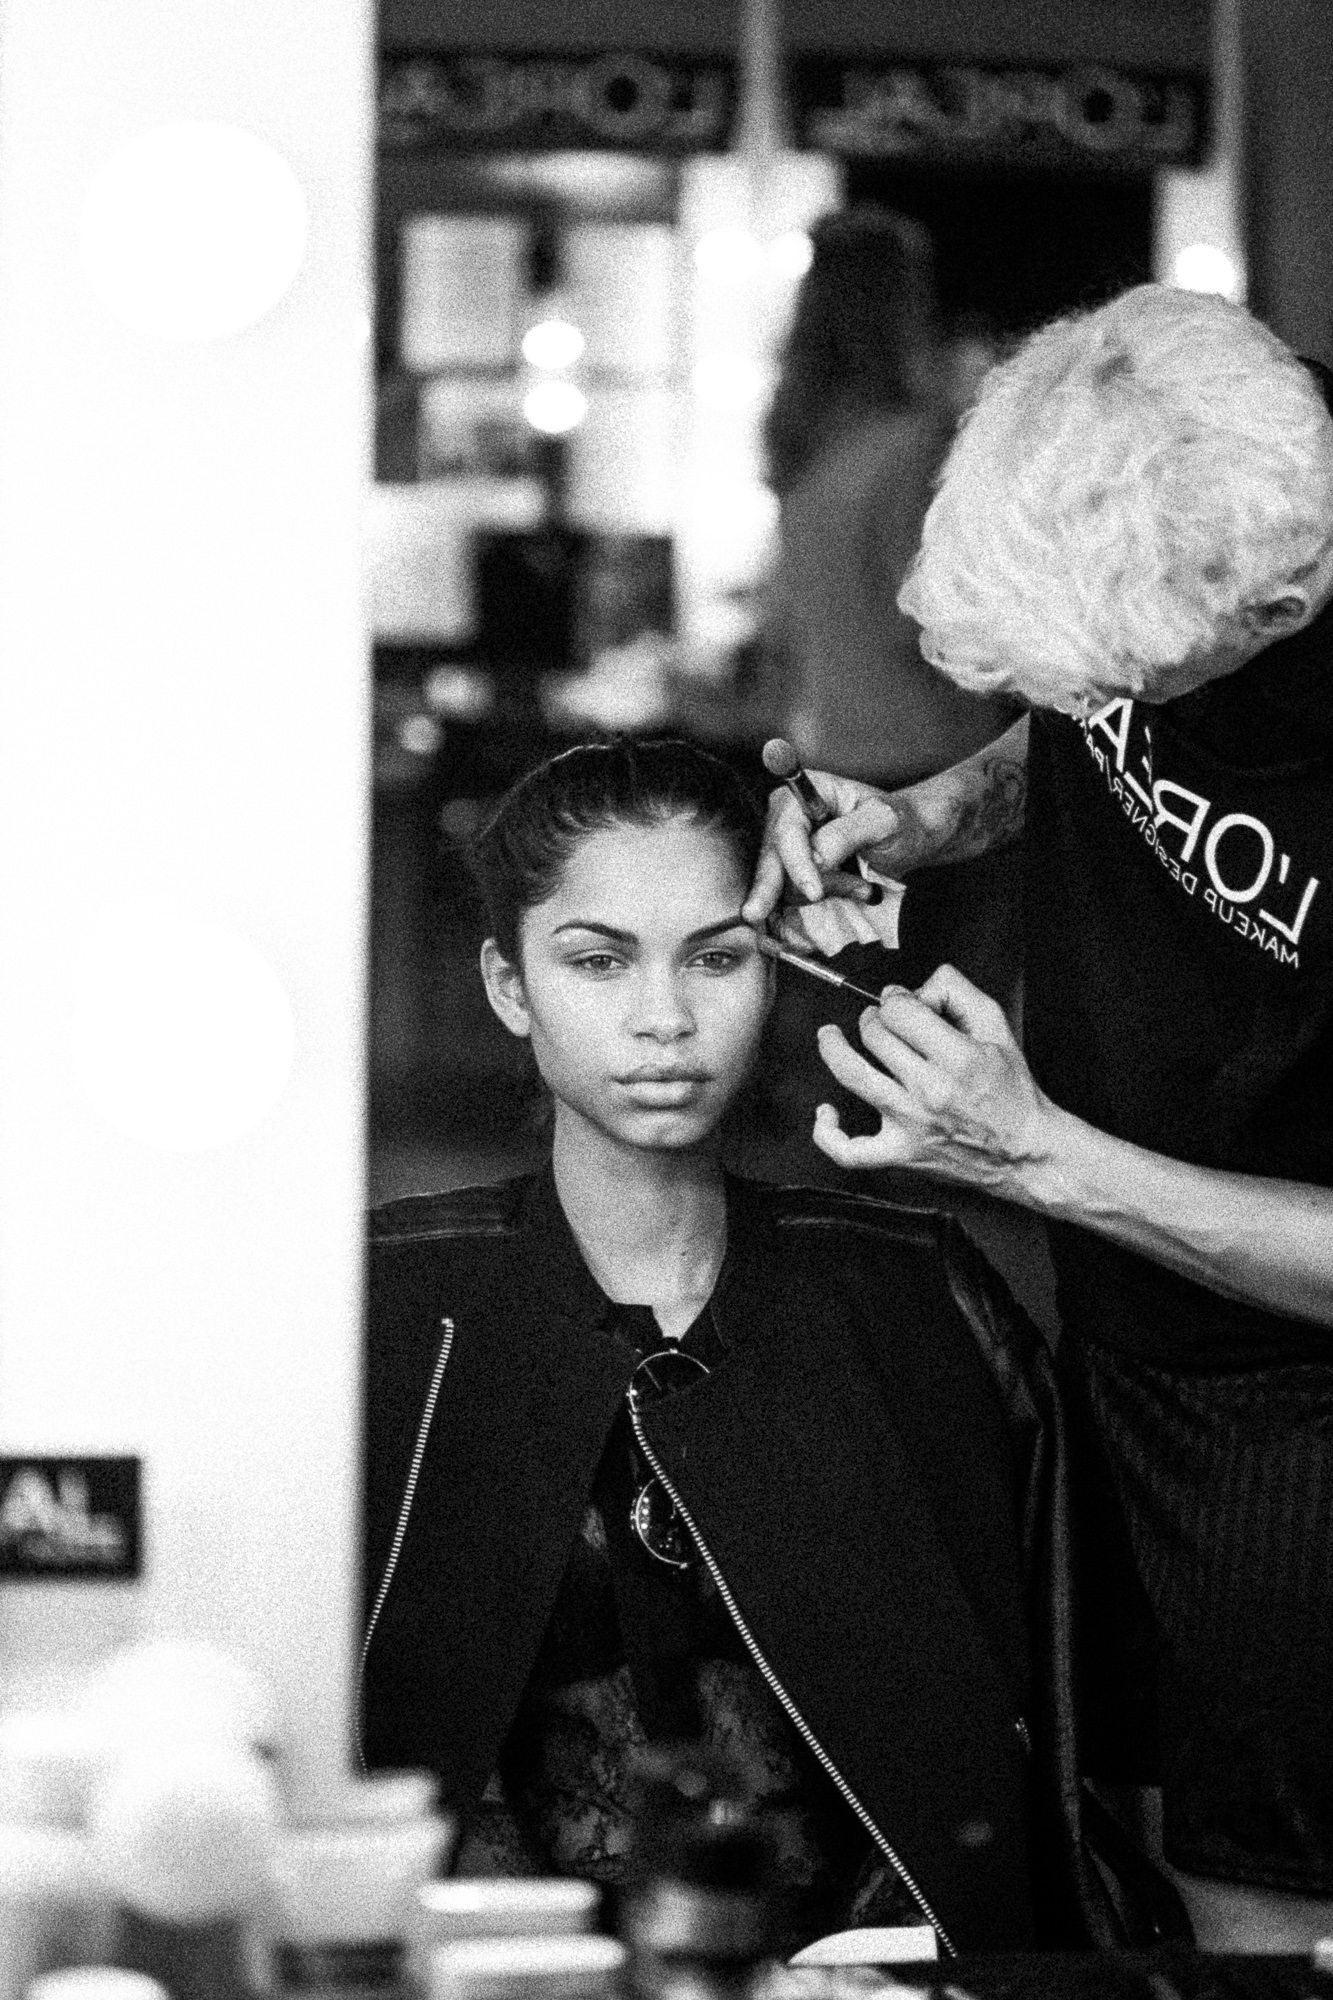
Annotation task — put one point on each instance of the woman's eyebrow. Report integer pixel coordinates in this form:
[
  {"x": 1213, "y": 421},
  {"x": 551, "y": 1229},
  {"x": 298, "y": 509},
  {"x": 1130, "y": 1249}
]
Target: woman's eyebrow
[
  {"x": 627, "y": 937},
  {"x": 590, "y": 924},
  {"x": 715, "y": 930}
]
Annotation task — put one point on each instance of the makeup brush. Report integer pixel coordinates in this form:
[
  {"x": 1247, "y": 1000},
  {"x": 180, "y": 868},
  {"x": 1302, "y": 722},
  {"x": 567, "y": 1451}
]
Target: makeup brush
[
  {"x": 782, "y": 762},
  {"x": 772, "y": 949}
]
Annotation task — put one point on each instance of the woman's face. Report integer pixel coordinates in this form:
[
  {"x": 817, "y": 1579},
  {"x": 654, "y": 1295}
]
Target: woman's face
[{"x": 642, "y": 992}]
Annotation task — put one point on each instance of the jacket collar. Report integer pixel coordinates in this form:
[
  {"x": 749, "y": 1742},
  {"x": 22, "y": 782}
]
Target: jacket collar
[
  {"x": 571, "y": 1297},
  {"x": 553, "y": 1263}
]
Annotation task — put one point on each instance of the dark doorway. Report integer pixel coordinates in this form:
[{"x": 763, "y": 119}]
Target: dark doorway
[{"x": 1013, "y": 249}]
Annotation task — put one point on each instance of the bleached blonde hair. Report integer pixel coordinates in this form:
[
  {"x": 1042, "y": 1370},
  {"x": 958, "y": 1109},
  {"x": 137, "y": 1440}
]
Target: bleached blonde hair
[{"x": 1123, "y": 495}]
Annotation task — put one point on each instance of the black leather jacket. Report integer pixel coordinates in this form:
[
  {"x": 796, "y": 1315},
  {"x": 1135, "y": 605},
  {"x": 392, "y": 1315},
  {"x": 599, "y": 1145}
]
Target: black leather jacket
[{"x": 875, "y": 1474}]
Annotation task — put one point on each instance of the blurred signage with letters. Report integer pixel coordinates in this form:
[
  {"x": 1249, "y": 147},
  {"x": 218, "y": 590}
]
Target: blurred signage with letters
[
  {"x": 64, "y": 1517},
  {"x": 1087, "y": 115},
  {"x": 626, "y": 100},
  {"x": 960, "y": 112}
]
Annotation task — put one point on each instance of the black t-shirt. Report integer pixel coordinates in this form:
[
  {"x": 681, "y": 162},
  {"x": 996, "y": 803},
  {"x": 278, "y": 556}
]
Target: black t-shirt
[{"x": 1179, "y": 955}]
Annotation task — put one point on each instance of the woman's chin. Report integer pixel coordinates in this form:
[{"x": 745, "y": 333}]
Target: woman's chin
[{"x": 665, "y": 1131}]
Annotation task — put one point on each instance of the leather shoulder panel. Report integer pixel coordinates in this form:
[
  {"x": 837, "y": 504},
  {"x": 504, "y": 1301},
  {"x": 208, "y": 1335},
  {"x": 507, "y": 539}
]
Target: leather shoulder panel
[
  {"x": 490, "y": 1209},
  {"x": 818, "y": 1208}
]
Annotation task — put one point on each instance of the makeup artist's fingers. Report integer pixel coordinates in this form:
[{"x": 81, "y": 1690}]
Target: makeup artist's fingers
[
  {"x": 964, "y": 1105},
  {"x": 792, "y": 855},
  {"x": 953, "y": 997},
  {"x": 878, "y": 1088},
  {"x": 785, "y": 857},
  {"x": 858, "y": 1149},
  {"x": 866, "y": 820},
  {"x": 920, "y": 1073},
  {"x": 904, "y": 1019},
  {"x": 837, "y": 882},
  {"x": 787, "y": 926}
]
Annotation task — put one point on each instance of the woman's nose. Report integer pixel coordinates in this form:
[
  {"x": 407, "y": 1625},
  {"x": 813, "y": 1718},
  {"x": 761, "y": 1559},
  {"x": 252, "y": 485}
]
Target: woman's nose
[{"x": 660, "y": 1009}]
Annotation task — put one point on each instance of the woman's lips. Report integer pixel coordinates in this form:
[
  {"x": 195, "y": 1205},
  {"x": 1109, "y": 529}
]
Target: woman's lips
[{"x": 664, "y": 1086}]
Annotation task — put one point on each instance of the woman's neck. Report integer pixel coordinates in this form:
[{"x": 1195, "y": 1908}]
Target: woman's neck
[{"x": 652, "y": 1226}]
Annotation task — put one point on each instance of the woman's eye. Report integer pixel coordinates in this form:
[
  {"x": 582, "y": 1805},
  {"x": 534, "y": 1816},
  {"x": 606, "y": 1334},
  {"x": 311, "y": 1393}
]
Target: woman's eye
[
  {"x": 597, "y": 961},
  {"x": 721, "y": 960}
]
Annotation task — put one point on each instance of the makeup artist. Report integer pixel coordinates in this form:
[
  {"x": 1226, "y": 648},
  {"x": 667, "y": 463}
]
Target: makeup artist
[{"x": 1133, "y": 533}]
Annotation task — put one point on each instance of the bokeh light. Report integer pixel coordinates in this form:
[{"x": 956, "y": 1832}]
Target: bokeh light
[
  {"x": 193, "y": 231},
  {"x": 555, "y": 407},
  {"x": 1203, "y": 267},
  {"x": 422, "y": 735},
  {"x": 552, "y": 343}
]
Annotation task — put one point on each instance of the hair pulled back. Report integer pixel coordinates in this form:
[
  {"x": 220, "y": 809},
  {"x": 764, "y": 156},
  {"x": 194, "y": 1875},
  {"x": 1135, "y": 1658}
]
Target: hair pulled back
[{"x": 519, "y": 856}]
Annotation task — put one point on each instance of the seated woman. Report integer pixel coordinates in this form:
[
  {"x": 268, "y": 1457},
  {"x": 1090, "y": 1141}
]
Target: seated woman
[{"x": 648, "y": 1459}]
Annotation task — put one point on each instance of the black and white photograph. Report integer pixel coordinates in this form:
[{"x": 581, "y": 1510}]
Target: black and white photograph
[{"x": 666, "y": 1000}]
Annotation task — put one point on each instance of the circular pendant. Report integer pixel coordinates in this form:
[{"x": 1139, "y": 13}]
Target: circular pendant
[{"x": 659, "y": 1527}]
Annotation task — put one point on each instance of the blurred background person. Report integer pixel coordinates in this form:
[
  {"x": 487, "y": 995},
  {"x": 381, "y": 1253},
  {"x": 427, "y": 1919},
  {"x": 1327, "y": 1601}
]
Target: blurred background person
[{"x": 859, "y": 422}]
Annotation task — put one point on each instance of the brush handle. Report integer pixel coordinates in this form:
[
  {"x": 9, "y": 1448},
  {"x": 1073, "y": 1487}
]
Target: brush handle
[
  {"x": 814, "y": 970},
  {"x": 801, "y": 786},
  {"x": 782, "y": 762}
]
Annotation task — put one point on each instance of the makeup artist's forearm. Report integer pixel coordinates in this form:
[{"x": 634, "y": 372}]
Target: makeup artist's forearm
[
  {"x": 1267, "y": 1242},
  {"x": 974, "y": 806}
]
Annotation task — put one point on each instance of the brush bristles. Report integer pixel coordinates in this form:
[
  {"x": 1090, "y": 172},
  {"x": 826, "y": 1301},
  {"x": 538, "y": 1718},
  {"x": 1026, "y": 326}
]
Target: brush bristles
[{"x": 780, "y": 760}]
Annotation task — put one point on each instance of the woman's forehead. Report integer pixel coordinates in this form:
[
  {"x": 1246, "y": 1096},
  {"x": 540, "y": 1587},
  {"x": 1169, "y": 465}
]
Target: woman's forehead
[{"x": 673, "y": 872}]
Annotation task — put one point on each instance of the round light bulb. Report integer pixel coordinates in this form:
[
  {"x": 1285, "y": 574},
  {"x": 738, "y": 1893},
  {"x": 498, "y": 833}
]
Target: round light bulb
[
  {"x": 553, "y": 344},
  {"x": 555, "y": 407},
  {"x": 421, "y": 735},
  {"x": 193, "y": 231},
  {"x": 1203, "y": 267}
]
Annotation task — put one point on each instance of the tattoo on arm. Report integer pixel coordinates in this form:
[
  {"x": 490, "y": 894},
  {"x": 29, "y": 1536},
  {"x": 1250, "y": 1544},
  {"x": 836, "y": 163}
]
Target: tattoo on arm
[{"x": 991, "y": 810}]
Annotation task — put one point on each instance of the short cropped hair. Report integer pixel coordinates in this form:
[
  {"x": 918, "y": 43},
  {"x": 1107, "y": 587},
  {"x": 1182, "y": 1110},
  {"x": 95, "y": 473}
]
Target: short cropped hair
[{"x": 1125, "y": 488}]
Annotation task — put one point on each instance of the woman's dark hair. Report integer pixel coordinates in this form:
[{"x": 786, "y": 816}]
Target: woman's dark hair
[
  {"x": 862, "y": 332},
  {"x": 520, "y": 854}
]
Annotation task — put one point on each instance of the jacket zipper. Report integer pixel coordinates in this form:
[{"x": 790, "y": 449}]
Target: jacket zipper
[
  {"x": 789, "y": 1707},
  {"x": 404, "y": 1512}
]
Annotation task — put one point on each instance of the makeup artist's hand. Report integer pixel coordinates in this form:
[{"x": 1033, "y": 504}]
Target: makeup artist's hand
[
  {"x": 804, "y": 864},
  {"x": 963, "y": 811},
  {"x": 953, "y": 1090},
  {"x": 894, "y": 831}
]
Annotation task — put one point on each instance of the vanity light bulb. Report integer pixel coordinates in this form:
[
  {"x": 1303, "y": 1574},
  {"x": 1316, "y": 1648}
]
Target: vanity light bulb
[
  {"x": 555, "y": 407},
  {"x": 552, "y": 344},
  {"x": 1203, "y": 267},
  {"x": 193, "y": 231}
]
